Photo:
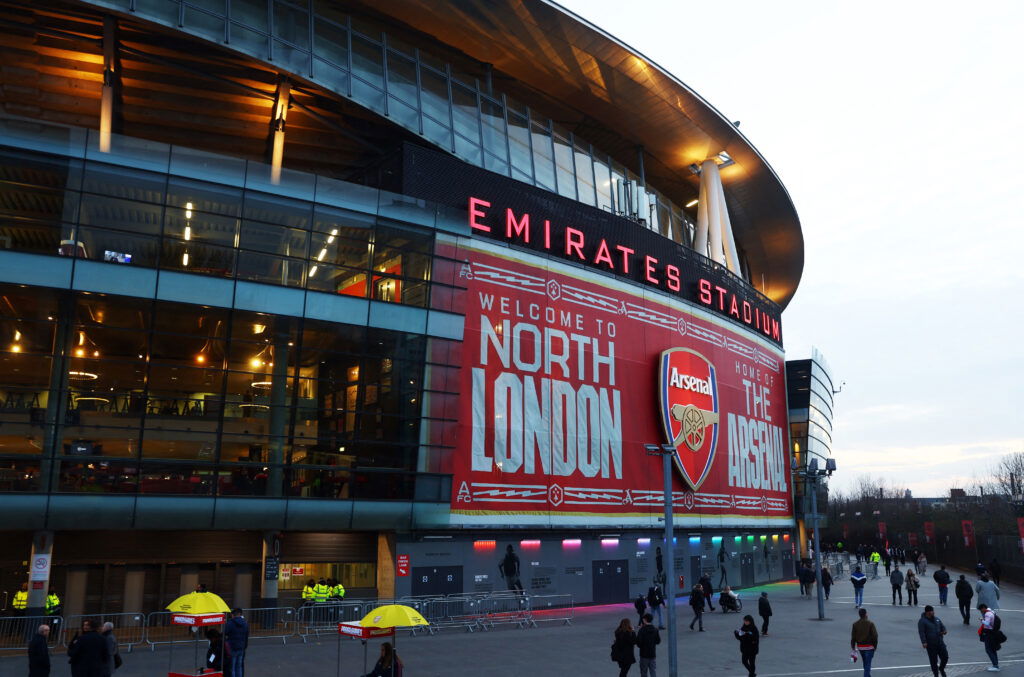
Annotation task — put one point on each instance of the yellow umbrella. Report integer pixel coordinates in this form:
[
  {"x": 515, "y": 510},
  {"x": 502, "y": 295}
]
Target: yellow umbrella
[
  {"x": 199, "y": 603},
  {"x": 393, "y": 616}
]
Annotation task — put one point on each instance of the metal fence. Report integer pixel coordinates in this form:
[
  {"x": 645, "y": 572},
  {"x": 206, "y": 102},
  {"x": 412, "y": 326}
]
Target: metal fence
[{"x": 468, "y": 612}]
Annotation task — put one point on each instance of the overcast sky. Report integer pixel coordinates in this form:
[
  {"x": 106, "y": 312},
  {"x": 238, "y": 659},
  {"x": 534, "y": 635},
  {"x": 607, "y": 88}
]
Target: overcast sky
[{"x": 898, "y": 130}]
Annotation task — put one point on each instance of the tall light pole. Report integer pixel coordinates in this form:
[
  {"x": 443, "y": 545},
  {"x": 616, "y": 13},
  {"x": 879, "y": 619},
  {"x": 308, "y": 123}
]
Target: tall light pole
[
  {"x": 667, "y": 452},
  {"x": 812, "y": 477}
]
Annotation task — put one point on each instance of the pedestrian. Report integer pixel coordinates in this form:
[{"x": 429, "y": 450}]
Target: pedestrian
[
  {"x": 864, "y": 638},
  {"x": 913, "y": 583},
  {"x": 991, "y": 634},
  {"x": 747, "y": 635},
  {"x": 964, "y": 593},
  {"x": 622, "y": 647},
  {"x": 988, "y": 593},
  {"x": 859, "y": 580},
  {"x": 876, "y": 559},
  {"x": 113, "y": 655},
  {"x": 764, "y": 610},
  {"x": 807, "y": 579},
  {"x": 887, "y": 561},
  {"x": 705, "y": 584},
  {"x": 389, "y": 664},
  {"x": 218, "y": 656},
  {"x": 922, "y": 564},
  {"x": 641, "y": 608},
  {"x": 508, "y": 567},
  {"x": 656, "y": 601},
  {"x": 979, "y": 569},
  {"x": 87, "y": 652},
  {"x": 646, "y": 640},
  {"x": 826, "y": 581},
  {"x": 995, "y": 570},
  {"x": 697, "y": 604},
  {"x": 896, "y": 580},
  {"x": 236, "y": 632},
  {"x": 931, "y": 631},
  {"x": 941, "y": 577},
  {"x": 39, "y": 653}
]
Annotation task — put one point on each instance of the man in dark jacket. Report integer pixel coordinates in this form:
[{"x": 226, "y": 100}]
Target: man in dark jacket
[
  {"x": 941, "y": 577},
  {"x": 964, "y": 594},
  {"x": 39, "y": 653},
  {"x": 646, "y": 641},
  {"x": 705, "y": 584},
  {"x": 931, "y": 630},
  {"x": 236, "y": 633},
  {"x": 764, "y": 610},
  {"x": 864, "y": 639},
  {"x": 896, "y": 580},
  {"x": 88, "y": 652},
  {"x": 995, "y": 570},
  {"x": 697, "y": 604},
  {"x": 655, "y": 600}
]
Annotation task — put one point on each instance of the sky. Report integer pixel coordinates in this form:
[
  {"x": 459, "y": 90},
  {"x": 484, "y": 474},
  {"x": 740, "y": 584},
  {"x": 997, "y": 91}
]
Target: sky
[{"x": 897, "y": 130}]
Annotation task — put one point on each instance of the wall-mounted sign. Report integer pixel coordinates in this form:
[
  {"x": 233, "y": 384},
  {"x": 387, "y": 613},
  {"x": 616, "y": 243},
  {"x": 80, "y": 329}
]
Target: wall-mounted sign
[{"x": 402, "y": 565}]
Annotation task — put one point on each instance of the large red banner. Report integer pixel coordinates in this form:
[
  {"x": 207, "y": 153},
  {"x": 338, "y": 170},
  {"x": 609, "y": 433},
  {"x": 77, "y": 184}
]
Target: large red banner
[
  {"x": 567, "y": 374},
  {"x": 929, "y": 532},
  {"x": 967, "y": 526}
]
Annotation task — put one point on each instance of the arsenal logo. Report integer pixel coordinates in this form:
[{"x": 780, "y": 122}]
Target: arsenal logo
[{"x": 689, "y": 411}]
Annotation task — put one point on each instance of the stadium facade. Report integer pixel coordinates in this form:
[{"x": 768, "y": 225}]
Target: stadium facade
[{"x": 303, "y": 288}]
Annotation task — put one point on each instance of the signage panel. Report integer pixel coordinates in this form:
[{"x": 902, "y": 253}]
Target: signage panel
[{"x": 568, "y": 373}]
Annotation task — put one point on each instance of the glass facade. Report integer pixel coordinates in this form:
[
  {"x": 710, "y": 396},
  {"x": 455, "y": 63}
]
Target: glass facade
[
  {"x": 810, "y": 394},
  {"x": 436, "y": 99}
]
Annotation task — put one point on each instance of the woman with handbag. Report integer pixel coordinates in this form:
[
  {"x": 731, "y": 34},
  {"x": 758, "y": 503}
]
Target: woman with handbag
[
  {"x": 913, "y": 583},
  {"x": 622, "y": 648}
]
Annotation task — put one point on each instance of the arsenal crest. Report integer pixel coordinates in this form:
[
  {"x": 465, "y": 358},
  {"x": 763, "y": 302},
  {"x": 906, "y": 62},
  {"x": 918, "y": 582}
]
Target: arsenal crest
[{"x": 689, "y": 411}]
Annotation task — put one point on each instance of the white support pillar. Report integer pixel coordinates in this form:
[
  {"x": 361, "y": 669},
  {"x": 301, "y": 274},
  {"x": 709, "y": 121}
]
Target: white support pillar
[
  {"x": 714, "y": 237},
  {"x": 277, "y": 125}
]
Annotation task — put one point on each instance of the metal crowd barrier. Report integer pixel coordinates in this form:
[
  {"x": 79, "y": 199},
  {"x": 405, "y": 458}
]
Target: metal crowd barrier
[
  {"x": 505, "y": 608},
  {"x": 271, "y": 623},
  {"x": 159, "y": 630},
  {"x": 323, "y": 617},
  {"x": 552, "y": 608},
  {"x": 17, "y": 631},
  {"x": 129, "y": 628}
]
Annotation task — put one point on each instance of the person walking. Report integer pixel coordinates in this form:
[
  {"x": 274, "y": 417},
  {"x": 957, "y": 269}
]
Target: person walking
[
  {"x": 964, "y": 593},
  {"x": 922, "y": 564},
  {"x": 931, "y": 630},
  {"x": 826, "y": 581},
  {"x": 87, "y": 652},
  {"x": 991, "y": 634},
  {"x": 748, "y": 638},
  {"x": 864, "y": 638},
  {"x": 641, "y": 608},
  {"x": 113, "y": 655},
  {"x": 896, "y": 580},
  {"x": 995, "y": 570},
  {"x": 656, "y": 601},
  {"x": 705, "y": 584},
  {"x": 988, "y": 593},
  {"x": 887, "y": 560},
  {"x": 697, "y": 604},
  {"x": 764, "y": 610},
  {"x": 646, "y": 640},
  {"x": 39, "y": 653},
  {"x": 236, "y": 633},
  {"x": 859, "y": 580},
  {"x": 622, "y": 647},
  {"x": 913, "y": 583},
  {"x": 941, "y": 578},
  {"x": 876, "y": 559}
]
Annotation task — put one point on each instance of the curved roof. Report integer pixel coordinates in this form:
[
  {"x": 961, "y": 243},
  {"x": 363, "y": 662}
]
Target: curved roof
[{"x": 552, "y": 50}]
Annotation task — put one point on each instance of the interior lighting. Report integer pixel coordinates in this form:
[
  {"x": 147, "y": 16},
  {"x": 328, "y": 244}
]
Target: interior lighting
[
  {"x": 259, "y": 328},
  {"x": 188, "y": 210},
  {"x": 312, "y": 271},
  {"x": 571, "y": 543},
  {"x": 15, "y": 347},
  {"x": 609, "y": 542},
  {"x": 188, "y": 233},
  {"x": 95, "y": 353},
  {"x": 200, "y": 358},
  {"x": 82, "y": 376},
  {"x": 256, "y": 363},
  {"x": 485, "y": 545},
  {"x": 529, "y": 543},
  {"x": 692, "y": 202},
  {"x": 322, "y": 254},
  {"x": 330, "y": 238},
  {"x": 79, "y": 352},
  {"x": 184, "y": 259},
  {"x": 644, "y": 542},
  {"x": 17, "y": 335}
]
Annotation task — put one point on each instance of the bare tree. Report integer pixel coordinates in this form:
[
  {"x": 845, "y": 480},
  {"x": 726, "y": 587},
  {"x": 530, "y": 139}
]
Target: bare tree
[{"x": 1007, "y": 476}]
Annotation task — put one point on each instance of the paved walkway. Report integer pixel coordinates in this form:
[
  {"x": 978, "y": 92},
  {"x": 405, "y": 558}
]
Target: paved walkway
[{"x": 796, "y": 645}]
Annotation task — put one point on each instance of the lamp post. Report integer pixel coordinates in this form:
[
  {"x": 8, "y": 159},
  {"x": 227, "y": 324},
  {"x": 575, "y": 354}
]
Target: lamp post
[
  {"x": 667, "y": 452},
  {"x": 812, "y": 477}
]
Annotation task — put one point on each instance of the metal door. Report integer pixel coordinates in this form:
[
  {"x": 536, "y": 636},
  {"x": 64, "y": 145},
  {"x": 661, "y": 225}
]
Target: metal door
[
  {"x": 787, "y": 562},
  {"x": 611, "y": 581},
  {"x": 437, "y": 580},
  {"x": 746, "y": 569}
]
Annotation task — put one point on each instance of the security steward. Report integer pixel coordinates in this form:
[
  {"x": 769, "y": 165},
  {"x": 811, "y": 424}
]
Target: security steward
[
  {"x": 308, "y": 594},
  {"x": 20, "y": 603},
  {"x": 321, "y": 591},
  {"x": 337, "y": 591},
  {"x": 52, "y": 603}
]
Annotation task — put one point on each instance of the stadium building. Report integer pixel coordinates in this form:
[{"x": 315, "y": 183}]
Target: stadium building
[{"x": 373, "y": 291}]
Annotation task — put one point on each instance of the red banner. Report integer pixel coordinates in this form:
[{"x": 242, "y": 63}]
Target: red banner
[
  {"x": 968, "y": 529},
  {"x": 912, "y": 539},
  {"x": 1020, "y": 532},
  {"x": 568, "y": 373},
  {"x": 881, "y": 531},
  {"x": 929, "y": 532}
]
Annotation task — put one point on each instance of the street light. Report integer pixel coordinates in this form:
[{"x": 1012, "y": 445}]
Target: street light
[
  {"x": 667, "y": 452},
  {"x": 812, "y": 478}
]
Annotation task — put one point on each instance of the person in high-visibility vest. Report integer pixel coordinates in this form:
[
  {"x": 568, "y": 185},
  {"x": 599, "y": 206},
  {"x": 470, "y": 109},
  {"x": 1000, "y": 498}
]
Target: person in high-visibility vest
[
  {"x": 308, "y": 593},
  {"x": 52, "y": 603},
  {"x": 20, "y": 603},
  {"x": 337, "y": 589},
  {"x": 320, "y": 591}
]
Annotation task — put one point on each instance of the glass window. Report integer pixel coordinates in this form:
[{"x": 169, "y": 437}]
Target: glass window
[
  {"x": 271, "y": 269},
  {"x": 519, "y": 144},
  {"x": 604, "y": 185},
  {"x": 199, "y": 258},
  {"x": 467, "y": 122},
  {"x": 331, "y": 42},
  {"x": 585, "y": 174},
  {"x": 434, "y": 95},
  {"x": 402, "y": 79},
  {"x": 495, "y": 143},
  {"x": 272, "y": 239},
  {"x": 277, "y": 210},
  {"x": 107, "y": 212},
  {"x": 543, "y": 156},
  {"x": 291, "y": 24},
  {"x": 564, "y": 166},
  {"x": 202, "y": 197},
  {"x": 368, "y": 62},
  {"x": 204, "y": 24},
  {"x": 124, "y": 182}
]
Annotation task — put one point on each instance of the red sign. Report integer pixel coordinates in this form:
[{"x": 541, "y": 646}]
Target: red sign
[
  {"x": 881, "y": 530},
  {"x": 402, "y": 565},
  {"x": 359, "y": 631},
  {"x": 912, "y": 539},
  {"x": 197, "y": 619},
  {"x": 568, "y": 373},
  {"x": 298, "y": 571},
  {"x": 929, "y": 532},
  {"x": 968, "y": 530},
  {"x": 1020, "y": 532}
]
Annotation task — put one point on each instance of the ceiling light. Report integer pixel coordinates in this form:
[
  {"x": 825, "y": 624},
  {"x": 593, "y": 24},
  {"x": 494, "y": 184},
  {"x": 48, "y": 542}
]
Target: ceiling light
[
  {"x": 82, "y": 376},
  {"x": 723, "y": 159},
  {"x": 312, "y": 271},
  {"x": 79, "y": 352},
  {"x": 692, "y": 202},
  {"x": 188, "y": 210},
  {"x": 259, "y": 328},
  {"x": 95, "y": 353},
  {"x": 17, "y": 335},
  {"x": 184, "y": 259},
  {"x": 200, "y": 358},
  {"x": 255, "y": 363},
  {"x": 330, "y": 238},
  {"x": 322, "y": 254},
  {"x": 188, "y": 233},
  {"x": 15, "y": 347}
]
